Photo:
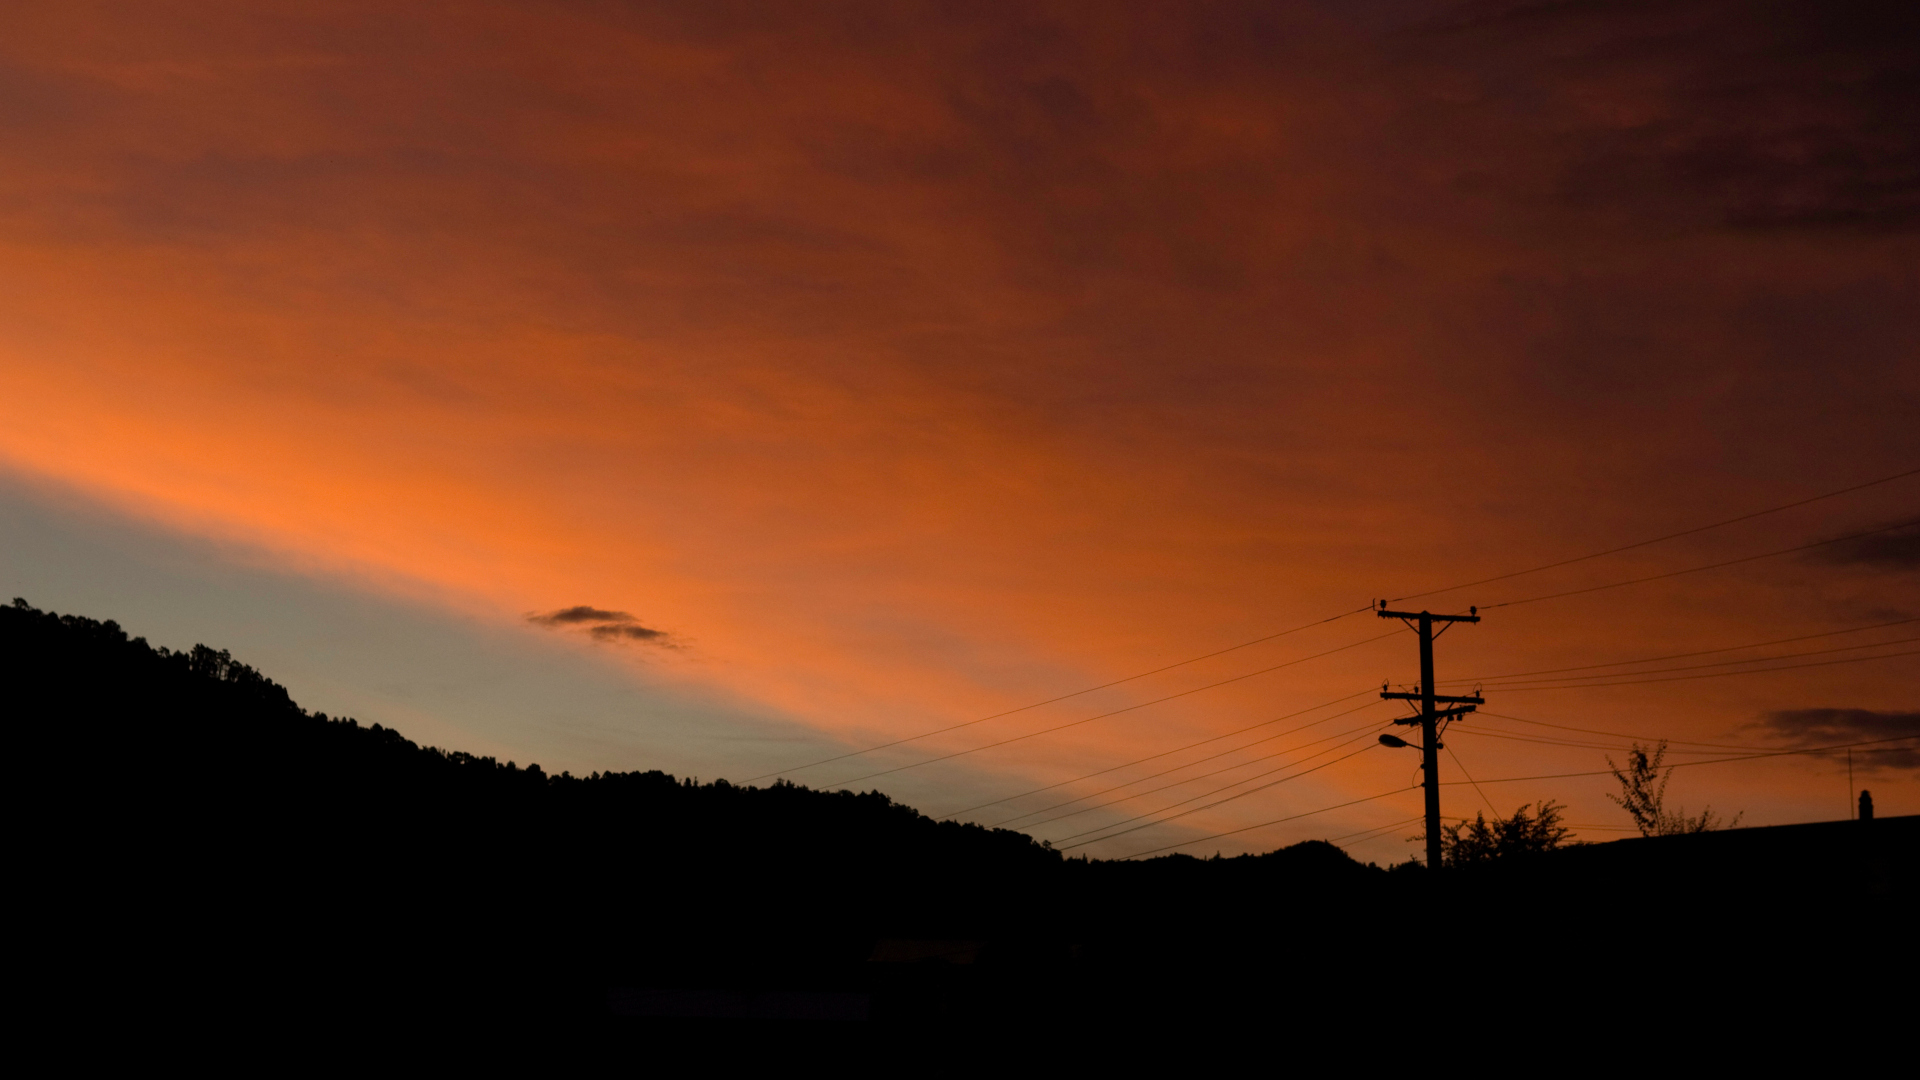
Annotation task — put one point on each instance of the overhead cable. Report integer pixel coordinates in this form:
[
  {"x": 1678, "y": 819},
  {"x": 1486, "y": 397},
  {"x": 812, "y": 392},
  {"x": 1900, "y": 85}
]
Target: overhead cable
[
  {"x": 1114, "y": 712},
  {"x": 1713, "y": 761},
  {"x": 1227, "y": 786},
  {"x": 1209, "y": 757},
  {"x": 1503, "y": 780},
  {"x": 1516, "y": 682},
  {"x": 1220, "y": 802},
  {"x": 1064, "y": 697},
  {"x": 1164, "y": 753},
  {"x": 1179, "y": 783},
  {"x": 1698, "y": 569},
  {"x": 1356, "y": 611},
  {"x": 1463, "y": 772},
  {"x": 1685, "y": 655},
  {"x": 1364, "y": 835},
  {"x": 1622, "y": 735},
  {"x": 1662, "y": 539},
  {"x": 1275, "y": 821},
  {"x": 1483, "y": 732},
  {"x": 1708, "y": 675}
]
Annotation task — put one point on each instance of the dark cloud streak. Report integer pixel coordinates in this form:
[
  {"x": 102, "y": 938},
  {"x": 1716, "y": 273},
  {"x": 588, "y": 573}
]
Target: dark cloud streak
[
  {"x": 1828, "y": 726},
  {"x": 1888, "y": 551},
  {"x": 581, "y": 613},
  {"x": 603, "y": 624}
]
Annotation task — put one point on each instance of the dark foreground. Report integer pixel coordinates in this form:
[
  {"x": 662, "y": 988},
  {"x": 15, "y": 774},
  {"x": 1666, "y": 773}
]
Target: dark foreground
[{"x": 205, "y": 864}]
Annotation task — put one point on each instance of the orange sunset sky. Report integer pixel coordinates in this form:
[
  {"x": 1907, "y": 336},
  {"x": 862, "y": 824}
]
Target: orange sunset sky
[{"x": 891, "y": 365}]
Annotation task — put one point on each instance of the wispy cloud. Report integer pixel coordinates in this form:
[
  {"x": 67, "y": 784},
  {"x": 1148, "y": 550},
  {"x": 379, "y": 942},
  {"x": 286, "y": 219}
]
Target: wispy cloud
[
  {"x": 603, "y": 624},
  {"x": 1829, "y": 726}
]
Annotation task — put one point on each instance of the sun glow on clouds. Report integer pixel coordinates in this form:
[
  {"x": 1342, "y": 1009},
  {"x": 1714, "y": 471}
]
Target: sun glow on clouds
[{"x": 905, "y": 363}]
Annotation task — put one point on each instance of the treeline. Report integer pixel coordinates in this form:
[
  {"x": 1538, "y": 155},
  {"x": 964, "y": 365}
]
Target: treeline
[{"x": 194, "y": 810}]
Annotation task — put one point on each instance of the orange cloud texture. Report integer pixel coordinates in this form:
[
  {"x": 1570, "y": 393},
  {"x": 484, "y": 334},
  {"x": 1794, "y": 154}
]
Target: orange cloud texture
[{"x": 909, "y": 362}]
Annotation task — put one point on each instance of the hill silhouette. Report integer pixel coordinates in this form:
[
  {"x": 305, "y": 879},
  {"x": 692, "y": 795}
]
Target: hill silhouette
[
  {"x": 185, "y": 823},
  {"x": 207, "y": 814}
]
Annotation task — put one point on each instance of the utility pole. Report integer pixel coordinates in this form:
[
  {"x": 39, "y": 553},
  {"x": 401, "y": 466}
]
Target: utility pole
[{"x": 1430, "y": 715}]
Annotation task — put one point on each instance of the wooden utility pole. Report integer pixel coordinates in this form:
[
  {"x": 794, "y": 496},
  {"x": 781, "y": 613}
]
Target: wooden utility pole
[{"x": 1430, "y": 715}]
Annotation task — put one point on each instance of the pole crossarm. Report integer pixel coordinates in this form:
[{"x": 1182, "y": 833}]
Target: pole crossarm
[
  {"x": 1385, "y": 614},
  {"x": 1449, "y": 698},
  {"x": 1439, "y": 714}
]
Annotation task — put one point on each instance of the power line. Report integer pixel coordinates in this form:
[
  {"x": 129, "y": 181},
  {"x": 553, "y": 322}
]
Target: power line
[
  {"x": 1229, "y": 785},
  {"x": 1709, "y": 675},
  {"x": 1275, "y": 821},
  {"x": 1698, "y": 569},
  {"x": 1115, "y": 712},
  {"x": 1614, "y": 678},
  {"x": 1518, "y": 682},
  {"x": 1597, "y": 680},
  {"x": 1622, "y": 735},
  {"x": 1503, "y": 780},
  {"x": 1476, "y": 787},
  {"x": 1367, "y": 834},
  {"x": 1660, "y": 539},
  {"x": 1749, "y": 757},
  {"x": 1190, "y": 779},
  {"x": 1482, "y": 732},
  {"x": 1211, "y": 805},
  {"x": 1063, "y": 697},
  {"x": 1175, "y": 750},
  {"x": 1232, "y": 784},
  {"x": 1334, "y": 618},
  {"x": 1714, "y": 761},
  {"x": 1685, "y": 655},
  {"x": 1197, "y": 761}
]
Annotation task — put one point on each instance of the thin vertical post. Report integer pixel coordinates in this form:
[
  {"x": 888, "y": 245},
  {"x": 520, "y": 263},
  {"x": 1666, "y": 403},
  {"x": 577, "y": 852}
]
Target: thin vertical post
[{"x": 1430, "y": 740}]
